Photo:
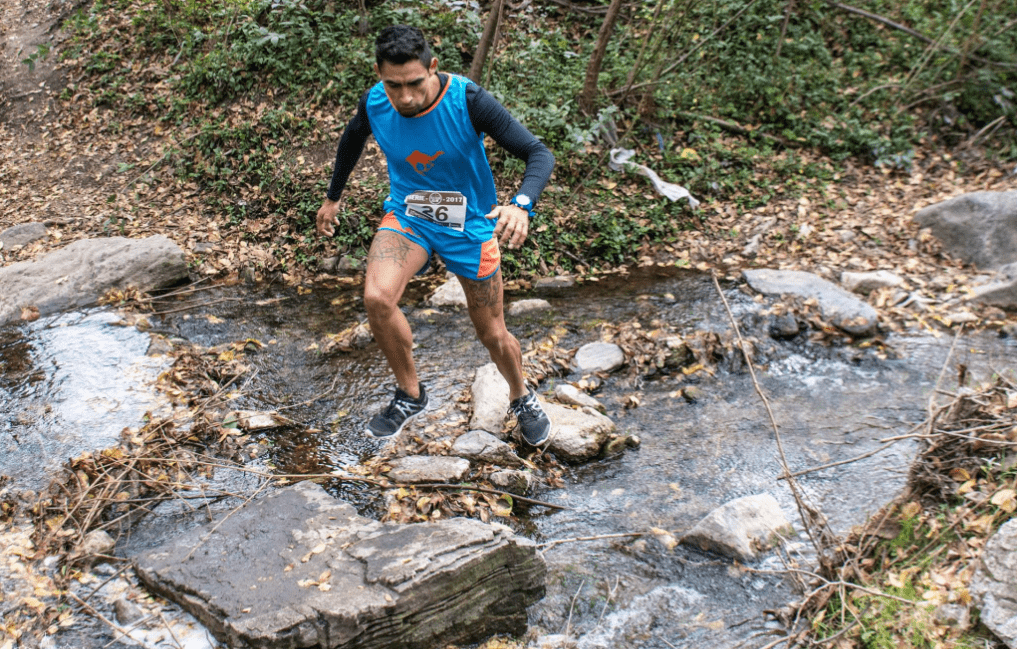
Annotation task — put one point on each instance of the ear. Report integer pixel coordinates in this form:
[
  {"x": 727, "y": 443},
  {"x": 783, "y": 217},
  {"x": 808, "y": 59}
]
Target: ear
[
  {"x": 434, "y": 65},
  {"x": 377, "y": 71}
]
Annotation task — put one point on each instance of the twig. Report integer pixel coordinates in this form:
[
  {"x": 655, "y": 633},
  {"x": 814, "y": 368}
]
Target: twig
[
  {"x": 113, "y": 625},
  {"x": 547, "y": 545},
  {"x": 808, "y": 514},
  {"x": 168, "y": 628},
  {"x": 202, "y": 540},
  {"x": 111, "y": 578},
  {"x": 315, "y": 398},
  {"x": 568, "y": 623},
  {"x": 196, "y": 306}
]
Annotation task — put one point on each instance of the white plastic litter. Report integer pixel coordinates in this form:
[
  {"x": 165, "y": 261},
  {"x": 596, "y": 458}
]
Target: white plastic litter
[{"x": 619, "y": 160}]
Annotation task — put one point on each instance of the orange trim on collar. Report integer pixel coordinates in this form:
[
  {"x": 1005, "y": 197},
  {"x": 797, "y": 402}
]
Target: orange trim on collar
[{"x": 438, "y": 100}]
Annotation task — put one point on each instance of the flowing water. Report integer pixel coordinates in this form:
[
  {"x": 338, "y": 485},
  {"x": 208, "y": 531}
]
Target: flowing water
[{"x": 829, "y": 404}]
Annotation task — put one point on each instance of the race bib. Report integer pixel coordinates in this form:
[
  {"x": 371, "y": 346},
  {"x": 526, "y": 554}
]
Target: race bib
[{"x": 447, "y": 209}]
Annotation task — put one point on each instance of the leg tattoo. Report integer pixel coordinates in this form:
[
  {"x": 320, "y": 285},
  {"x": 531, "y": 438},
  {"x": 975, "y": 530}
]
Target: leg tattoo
[
  {"x": 391, "y": 247},
  {"x": 485, "y": 293}
]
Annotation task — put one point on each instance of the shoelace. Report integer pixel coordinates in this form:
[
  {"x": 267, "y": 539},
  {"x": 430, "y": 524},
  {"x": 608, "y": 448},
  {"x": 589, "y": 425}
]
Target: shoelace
[
  {"x": 403, "y": 408},
  {"x": 527, "y": 407}
]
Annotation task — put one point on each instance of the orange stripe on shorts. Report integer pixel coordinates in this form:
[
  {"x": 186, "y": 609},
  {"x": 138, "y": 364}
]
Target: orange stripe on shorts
[
  {"x": 490, "y": 258},
  {"x": 392, "y": 223}
]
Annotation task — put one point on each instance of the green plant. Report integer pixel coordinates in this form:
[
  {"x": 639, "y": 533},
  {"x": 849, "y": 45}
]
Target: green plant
[{"x": 41, "y": 51}]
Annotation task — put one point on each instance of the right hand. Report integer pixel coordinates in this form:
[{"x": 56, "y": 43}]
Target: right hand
[{"x": 328, "y": 217}]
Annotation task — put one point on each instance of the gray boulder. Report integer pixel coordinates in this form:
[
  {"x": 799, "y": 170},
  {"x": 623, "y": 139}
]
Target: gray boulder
[
  {"x": 1001, "y": 290},
  {"x": 78, "y": 275},
  {"x": 558, "y": 281},
  {"x": 22, "y": 235},
  {"x": 577, "y": 435},
  {"x": 450, "y": 293},
  {"x": 867, "y": 282},
  {"x": 418, "y": 469},
  {"x": 300, "y": 569},
  {"x": 994, "y": 585},
  {"x": 740, "y": 528},
  {"x": 516, "y": 482},
  {"x": 520, "y": 307},
  {"x": 482, "y": 446},
  {"x": 573, "y": 396},
  {"x": 841, "y": 308},
  {"x": 599, "y": 357},
  {"x": 979, "y": 228},
  {"x": 490, "y": 400}
]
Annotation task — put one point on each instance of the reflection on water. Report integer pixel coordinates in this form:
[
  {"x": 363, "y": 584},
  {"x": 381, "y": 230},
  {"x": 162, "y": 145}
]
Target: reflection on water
[{"x": 68, "y": 386}]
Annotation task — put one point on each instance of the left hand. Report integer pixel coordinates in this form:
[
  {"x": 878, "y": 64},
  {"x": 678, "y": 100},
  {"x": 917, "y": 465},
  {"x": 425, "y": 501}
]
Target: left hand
[{"x": 513, "y": 225}]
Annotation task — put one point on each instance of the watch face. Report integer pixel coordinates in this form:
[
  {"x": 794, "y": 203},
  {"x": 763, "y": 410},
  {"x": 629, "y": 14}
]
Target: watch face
[{"x": 523, "y": 200}]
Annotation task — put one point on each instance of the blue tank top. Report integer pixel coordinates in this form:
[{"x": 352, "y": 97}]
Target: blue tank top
[{"x": 435, "y": 151}]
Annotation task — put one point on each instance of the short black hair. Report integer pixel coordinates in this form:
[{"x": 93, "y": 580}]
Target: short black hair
[{"x": 398, "y": 44}]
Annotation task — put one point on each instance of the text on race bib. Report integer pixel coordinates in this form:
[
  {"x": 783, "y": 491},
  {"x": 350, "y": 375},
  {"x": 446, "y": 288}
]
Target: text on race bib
[{"x": 447, "y": 209}]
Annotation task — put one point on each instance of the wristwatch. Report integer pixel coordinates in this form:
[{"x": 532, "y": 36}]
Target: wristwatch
[{"x": 523, "y": 201}]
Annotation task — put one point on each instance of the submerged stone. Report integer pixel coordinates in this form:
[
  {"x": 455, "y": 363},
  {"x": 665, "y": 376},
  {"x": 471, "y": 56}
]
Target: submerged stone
[
  {"x": 843, "y": 309},
  {"x": 739, "y": 528},
  {"x": 301, "y": 569}
]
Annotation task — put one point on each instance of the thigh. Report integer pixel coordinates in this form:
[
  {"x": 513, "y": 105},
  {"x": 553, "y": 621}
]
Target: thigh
[{"x": 392, "y": 261}]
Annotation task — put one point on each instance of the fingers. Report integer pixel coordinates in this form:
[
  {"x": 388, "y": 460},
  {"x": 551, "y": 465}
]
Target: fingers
[
  {"x": 513, "y": 225},
  {"x": 326, "y": 220}
]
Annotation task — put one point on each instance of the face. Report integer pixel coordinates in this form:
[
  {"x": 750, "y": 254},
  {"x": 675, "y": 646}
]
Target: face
[{"x": 410, "y": 86}]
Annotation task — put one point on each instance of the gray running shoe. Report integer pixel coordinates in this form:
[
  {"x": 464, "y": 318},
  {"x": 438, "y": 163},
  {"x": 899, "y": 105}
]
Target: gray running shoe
[
  {"x": 533, "y": 421},
  {"x": 402, "y": 409}
]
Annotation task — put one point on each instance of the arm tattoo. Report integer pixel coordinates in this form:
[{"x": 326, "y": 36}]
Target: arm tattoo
[
  {"x": 484, "y": 294},
  {"x": 391, "y": 247}
]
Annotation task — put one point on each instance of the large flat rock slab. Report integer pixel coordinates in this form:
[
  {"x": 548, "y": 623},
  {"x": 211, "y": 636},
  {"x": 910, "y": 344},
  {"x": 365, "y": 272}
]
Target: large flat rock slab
[
  {"x": 78, "y": 275},
  {"x": 299, "y": 568},
  {"x": 841, "y": 308}
]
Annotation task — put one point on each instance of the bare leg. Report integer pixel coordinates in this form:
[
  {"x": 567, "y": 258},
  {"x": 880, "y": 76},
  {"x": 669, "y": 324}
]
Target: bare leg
[
  {"x": 391, "y": 263},
  {"x": 485, "y": 302}
]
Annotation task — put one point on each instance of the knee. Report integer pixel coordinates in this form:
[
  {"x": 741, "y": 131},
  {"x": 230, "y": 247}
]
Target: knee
[
  {"x": 495, "y": 338},
  {"x": 379, "y": 302}
]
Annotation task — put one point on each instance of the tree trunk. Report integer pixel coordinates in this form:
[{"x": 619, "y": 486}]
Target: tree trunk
[
  {"x": 490, "y": 27},
  {"x": 586, "y": 99}
]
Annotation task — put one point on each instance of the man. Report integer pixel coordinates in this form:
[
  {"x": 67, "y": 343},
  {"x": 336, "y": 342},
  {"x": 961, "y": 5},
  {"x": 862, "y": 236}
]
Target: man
[{"x": 442, "y": 199}]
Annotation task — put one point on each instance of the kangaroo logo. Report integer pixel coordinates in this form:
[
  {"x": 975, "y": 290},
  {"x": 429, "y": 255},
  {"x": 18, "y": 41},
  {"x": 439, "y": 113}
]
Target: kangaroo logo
[{"x": 421, "y": 162}]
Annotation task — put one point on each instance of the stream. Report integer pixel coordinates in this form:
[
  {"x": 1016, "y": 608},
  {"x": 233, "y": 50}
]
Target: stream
[{"x": 71, "y": 384}]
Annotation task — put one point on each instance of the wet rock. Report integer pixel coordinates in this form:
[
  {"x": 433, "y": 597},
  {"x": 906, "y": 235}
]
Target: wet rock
[
  {"x": 573, "y": 396},
  {"x": 785, "y": 327},
  {"x": 865, "y": 283},
  {"x": 599, "y": 357},
  {"x": 81, "y": 273},
  {"x": 577, "y": 435},
  {"x": 450, "y": 293},
  {"x": 490, "y": 400},
  {"x": 22, "y": 235},
  {"x": 994, "y": 585},
  {"x": 1001, "y": 290},
  {"x": 482, "y": 446},
  {"x": 97, "y": 542},
  {"x": 843, "y": 309},
  {"x": 126, "y": 611},
  {"x": 516, "y": 482},
  {"x": 416, "y": 469},
  {"x": 519, "y": 307},
  {"x": 299, "y": 569},
  {"x": 980, "y": 227},
  {"x": 693, "y": 393},
  {"x": 739, "y": 528},
  {"x": 558, "y": 281}
]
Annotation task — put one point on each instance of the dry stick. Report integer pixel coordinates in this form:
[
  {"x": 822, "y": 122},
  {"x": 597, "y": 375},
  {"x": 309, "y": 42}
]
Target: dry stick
[
  {"x": 547, "y": 545},
  {"x": 113, "y": 625},
  {"x": 172, "y": 635},
  {"x": 568, "y": 623},
  {"x": 202, "y": 540},
  {"x": 803, "y": 508},
  {"x": 111, "y": 578},
  {"x": 196, "y": 306},
  {"x": 994, "y": 125},
  {"x": 313, "y": 399},
  {"x": 132, "y": 626}
]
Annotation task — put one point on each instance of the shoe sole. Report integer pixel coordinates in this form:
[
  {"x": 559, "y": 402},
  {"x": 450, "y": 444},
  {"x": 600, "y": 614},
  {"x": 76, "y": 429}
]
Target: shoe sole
[{"x": 370, "y": 433}]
